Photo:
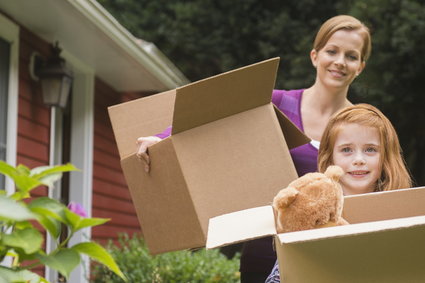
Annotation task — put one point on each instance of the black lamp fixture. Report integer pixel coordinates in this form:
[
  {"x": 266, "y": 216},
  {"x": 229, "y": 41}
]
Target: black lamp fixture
[{"x": 55, "y": 76}]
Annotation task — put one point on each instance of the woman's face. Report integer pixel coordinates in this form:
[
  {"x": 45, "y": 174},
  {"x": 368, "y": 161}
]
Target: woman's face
[
  {"x": 339, "y": 62},
  {"x": 357, "y": 151}
]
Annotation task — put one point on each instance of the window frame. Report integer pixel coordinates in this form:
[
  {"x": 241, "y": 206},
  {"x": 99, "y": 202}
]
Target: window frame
[{"x": 9, "y": 31}]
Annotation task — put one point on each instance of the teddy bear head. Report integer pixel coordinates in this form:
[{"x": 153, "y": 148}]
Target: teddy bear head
[{"x": 314, "y": 200}]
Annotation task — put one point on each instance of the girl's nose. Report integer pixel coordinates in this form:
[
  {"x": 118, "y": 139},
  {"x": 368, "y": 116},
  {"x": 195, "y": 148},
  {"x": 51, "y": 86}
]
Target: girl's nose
[{"x": 359, "y": 159}]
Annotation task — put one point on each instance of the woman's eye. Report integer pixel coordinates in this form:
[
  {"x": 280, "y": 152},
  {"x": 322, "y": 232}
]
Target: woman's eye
[
  {"x": 331, "y": 52},
  {"x": 352, "y": 57}
]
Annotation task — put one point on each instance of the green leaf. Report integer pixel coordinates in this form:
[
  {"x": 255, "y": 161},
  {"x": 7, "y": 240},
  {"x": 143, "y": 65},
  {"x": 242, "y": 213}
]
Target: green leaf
[
  {"x": 50, "y": 174},
  {"x": 72, "y": 219},
  {"x": 12, "y": 210},
  {"x": 89, "y": 222},
  {"x": 64, "y": 261},
  {"x": 77, "y": 222},
  {"x": 20, "y": 175},
  {"x": 48, "y": 207},
  {"x": 49, "y": 213},
  {"x": 8, "y": 275},
  {"x": 53, "y": 226},
  {"x": 99, "y": 254},
  {"x": 29, "y": 240}
]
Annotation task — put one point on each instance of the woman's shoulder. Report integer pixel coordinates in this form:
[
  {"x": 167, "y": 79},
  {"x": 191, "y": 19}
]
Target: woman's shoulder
[{"x": 281, "y": 96}]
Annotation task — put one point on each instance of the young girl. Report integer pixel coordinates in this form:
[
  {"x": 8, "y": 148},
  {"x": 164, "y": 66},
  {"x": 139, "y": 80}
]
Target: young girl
[{"x": 363, "y": 142}]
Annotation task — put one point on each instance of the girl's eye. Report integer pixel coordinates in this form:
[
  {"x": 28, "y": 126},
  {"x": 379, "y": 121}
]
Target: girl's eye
[
  {"x": 352, "y": 57},
  {"x": 331, "y": 51},
  {"x": 345, "y": 149},
  {"x": 371, "y": 149}
]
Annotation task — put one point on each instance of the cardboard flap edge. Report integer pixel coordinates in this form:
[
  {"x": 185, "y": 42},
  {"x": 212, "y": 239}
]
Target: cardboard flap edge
[
  {"x": 241, "y": 226},
  {"x": 351, "y": 230},
  {"x": 293, "y": 136},
  {"x": 224, "y": 94}
]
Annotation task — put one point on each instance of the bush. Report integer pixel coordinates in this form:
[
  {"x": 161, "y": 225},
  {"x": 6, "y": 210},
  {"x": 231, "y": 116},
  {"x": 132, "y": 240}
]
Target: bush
[{"x": 138, "y": 265}]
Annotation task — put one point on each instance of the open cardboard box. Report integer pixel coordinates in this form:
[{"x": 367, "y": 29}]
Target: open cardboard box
[
  {"x": 228, "y": 151},
  {"x": 385, "y": 241}
]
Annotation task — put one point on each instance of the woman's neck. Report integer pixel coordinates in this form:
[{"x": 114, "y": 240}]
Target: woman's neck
[
  {"x": 317, "y": 106},
  {"x": 324, "y": 101}
]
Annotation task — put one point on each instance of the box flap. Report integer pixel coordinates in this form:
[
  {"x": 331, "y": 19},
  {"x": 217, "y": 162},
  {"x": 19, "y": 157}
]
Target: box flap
[
  {"x": 224, "y": 95},
  {"x": 384, "y": 205},
  {"x": 293, "y": 136},
  {"x": 240, "y": 226},
  {"x": 350, "y": 230},
  {"x": 387, "y": 251},
  {"x": 141, "y": 117}
]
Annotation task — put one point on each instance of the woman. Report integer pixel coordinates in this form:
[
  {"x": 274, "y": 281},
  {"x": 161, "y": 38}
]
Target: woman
[{"x": 340, "y": 51}]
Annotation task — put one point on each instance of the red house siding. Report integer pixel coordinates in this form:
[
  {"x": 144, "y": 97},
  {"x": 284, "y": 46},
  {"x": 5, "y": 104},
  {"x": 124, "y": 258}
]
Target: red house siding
[
  {"x": 111, "y": 197},
  {"x": 33, "y": 117}
]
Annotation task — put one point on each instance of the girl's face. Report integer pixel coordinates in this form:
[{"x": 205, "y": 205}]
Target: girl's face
[
  {"x": 357, "y": 151},
  {"x": 339, "y": 62}
]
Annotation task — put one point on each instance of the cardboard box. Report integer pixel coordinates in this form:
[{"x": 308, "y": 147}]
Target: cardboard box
[
  {"x": 385, "y": 241},
  {"x": 228, "y": 151}
]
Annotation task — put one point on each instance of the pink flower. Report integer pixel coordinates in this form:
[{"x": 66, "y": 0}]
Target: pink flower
[{"x": 77, "y": 209}]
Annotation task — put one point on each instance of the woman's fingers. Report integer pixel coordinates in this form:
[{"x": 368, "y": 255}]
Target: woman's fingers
[{"x": 143, "y": 143}]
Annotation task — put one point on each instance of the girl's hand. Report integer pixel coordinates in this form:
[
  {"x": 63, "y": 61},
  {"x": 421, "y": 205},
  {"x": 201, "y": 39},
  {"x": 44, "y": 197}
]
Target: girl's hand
[{"x": 142, "y": 149}]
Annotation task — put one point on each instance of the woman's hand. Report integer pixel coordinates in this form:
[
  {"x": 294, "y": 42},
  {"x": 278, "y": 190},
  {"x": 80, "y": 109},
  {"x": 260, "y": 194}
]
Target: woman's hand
[{"x": 142, "y": 149}]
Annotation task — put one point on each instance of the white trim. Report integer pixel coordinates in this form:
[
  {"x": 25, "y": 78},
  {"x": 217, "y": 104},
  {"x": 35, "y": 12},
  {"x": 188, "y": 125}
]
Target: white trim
[
  {"x": 82, "y": 131},
  {"x": 144, "y": 53},
  {"x": 55, "y": 158},
  {"x": 9, "y": 31}
]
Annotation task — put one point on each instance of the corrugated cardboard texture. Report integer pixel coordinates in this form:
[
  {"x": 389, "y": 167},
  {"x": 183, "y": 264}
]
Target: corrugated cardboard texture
[
  {"x": 162, "y": 202},
  {"x": 234, "y": 163},
  {"x": 384, "y": 205},
  {"x": 224, "y": 95},
  {"x": 139, "y": 118},
  {"x": 385, "y": 256}
]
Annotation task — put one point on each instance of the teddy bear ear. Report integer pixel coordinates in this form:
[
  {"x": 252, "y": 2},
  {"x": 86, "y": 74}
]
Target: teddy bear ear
[
  {"x": 334, "y": 172},
  {"x": 285, "y": 197}
]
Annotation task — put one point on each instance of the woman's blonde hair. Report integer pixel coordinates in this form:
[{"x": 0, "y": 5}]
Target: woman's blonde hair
[
  {"x": 344, "y": 22},
  {"x": 394, "y": 171}
]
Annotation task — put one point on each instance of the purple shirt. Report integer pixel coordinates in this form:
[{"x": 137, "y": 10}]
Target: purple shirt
[{"x": 289, "y": 102}]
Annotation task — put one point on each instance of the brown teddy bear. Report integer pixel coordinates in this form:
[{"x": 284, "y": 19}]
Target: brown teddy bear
[{"x": 314, "y": 200}]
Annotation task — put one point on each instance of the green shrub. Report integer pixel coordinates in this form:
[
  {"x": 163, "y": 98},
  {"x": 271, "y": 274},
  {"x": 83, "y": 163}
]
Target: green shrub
[
  {"x": 23, "y": 242},
  {"x": 139, "y": 266}
]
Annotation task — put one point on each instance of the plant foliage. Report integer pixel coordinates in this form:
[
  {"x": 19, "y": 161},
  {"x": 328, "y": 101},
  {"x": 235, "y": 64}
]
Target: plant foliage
[
  {"x": 19, "y": 238},
  {"x": 206, "y": 266}
]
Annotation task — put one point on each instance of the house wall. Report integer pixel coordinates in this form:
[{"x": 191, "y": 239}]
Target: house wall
[
  {"x": 33, "y": 116},
  {"x": 111, "y": 197}
]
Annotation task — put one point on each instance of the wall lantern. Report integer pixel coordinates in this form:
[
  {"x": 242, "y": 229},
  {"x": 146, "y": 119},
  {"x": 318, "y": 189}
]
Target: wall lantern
[{"x": 55, "y": 77}]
